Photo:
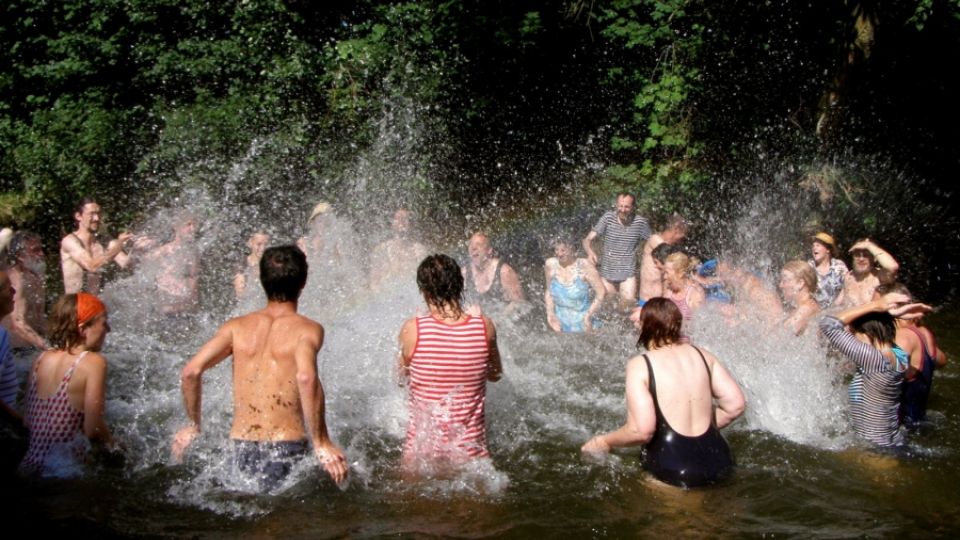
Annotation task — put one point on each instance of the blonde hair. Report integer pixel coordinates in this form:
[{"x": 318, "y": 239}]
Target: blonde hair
[
  {"x": 803, "y": 272},
  {"x": 680, "y": 261}
]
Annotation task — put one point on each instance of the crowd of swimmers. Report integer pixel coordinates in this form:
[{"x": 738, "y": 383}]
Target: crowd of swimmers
[{"x": 678, "y": 395}]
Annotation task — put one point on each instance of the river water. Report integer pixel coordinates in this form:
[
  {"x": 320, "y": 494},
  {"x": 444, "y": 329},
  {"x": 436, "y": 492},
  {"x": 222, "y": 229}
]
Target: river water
[{"x": 800, "y": 471}]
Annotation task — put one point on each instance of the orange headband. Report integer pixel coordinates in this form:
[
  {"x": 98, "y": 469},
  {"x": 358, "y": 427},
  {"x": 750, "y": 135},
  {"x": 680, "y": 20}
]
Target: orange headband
[{"x": 88, "y": 307}]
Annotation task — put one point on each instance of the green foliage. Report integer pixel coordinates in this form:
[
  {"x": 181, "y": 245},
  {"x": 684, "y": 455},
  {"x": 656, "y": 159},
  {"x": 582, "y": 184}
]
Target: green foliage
[{"x": 660, "y": 68}]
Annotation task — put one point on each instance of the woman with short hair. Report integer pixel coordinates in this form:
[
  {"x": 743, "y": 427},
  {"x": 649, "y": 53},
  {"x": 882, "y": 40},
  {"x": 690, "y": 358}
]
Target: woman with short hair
[{"x": 678, "y": 398}]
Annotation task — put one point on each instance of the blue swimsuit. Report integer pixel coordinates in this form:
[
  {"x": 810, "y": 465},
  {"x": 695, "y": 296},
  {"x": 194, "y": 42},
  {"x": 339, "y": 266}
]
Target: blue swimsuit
[{"x": 571, "y": 302}]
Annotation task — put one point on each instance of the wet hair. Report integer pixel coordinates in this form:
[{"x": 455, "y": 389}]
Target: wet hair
[
  {"x": 78, "y": 209},
  {"x": 62, "y": 328},
  {"x": 879, "y": 327},
  {"x": 803, "y": 272},
  {"x": 18, "y": 242},
  {"x": 660, "y": 323},
  {"x": 440, "y": 281},
  {"x": 283, "y": 273},
  {"x": 663, "y": 251}
]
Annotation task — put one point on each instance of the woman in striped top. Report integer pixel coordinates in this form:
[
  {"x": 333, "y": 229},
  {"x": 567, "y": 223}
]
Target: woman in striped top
[
  {"x": 447, "y": 357},
  {"x": 881, "y": 364}
]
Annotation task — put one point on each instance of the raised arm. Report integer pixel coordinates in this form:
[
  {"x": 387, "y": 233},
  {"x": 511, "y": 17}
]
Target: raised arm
[
  {"x": 312, "y": 402},
  {"x": 641, "y": 415},
  {"x": 884, "y": 259},
  {"x": 91, "y": 263},
  {"x": 212, "y": 353}
]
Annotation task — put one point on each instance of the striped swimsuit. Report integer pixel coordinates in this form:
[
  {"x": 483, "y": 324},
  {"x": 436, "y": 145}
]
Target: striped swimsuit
[
  {"x": 875, "y": 389},
  {"x": 448, "y": 377},
  {"x": 619, "y": 261}
]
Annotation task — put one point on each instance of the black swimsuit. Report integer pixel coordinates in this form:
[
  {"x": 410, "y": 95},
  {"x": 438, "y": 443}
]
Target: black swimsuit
[{"x": 686, "y": 461}]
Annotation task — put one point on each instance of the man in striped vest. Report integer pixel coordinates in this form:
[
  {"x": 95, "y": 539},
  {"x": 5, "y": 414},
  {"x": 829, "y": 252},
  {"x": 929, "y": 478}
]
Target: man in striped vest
[{"x": 622, "y": 231}]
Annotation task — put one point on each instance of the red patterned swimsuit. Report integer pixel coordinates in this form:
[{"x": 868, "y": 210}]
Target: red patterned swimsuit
[{"x": 53, "y": 422}]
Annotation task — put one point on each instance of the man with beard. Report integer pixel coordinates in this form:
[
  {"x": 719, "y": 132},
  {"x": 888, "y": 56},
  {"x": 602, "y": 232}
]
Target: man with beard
[
  {"x": 27, "y": 273},
  {"x": 81, "y": 254}
]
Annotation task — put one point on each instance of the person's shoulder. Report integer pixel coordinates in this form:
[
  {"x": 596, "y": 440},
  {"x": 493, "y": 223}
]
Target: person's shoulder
[{"x": 92, "y": 362}]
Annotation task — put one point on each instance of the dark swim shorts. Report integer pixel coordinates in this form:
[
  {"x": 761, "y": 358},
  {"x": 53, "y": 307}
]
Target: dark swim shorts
[{"x": 268, "y": 462}]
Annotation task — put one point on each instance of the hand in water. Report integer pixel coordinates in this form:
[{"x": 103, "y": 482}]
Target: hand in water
[
  {"x": 182, "y": 440},
  {"x": 333, "y": 461},
  {"x": 596, "y": 445}
]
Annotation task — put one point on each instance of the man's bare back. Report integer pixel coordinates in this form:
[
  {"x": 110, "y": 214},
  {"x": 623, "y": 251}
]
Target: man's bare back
[
  {"x": 270, "y": 349},
  {"x": 277, "y": 396}
]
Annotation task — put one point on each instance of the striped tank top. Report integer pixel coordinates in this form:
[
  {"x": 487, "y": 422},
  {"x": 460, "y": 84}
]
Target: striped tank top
[{"x": 448, "y": 378}]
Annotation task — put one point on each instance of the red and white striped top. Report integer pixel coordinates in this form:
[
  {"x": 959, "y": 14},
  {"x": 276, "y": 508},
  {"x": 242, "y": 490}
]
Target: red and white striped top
[{"x": 448, "y": 389}]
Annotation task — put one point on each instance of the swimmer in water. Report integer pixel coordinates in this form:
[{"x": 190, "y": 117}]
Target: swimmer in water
[
  {"x": 67, "y": 387},
  {"x": 446, "y": 357},
  {"x": 278, "y": 410},
  {"x": 678, "y": 398},
  {"x": 798, "y": 283}
]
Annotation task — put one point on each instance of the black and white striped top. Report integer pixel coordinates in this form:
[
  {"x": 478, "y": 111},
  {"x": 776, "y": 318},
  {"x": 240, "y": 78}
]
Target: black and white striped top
[
  {"x": 619, "y": 261},
  {"x": 874, "y": 390}
]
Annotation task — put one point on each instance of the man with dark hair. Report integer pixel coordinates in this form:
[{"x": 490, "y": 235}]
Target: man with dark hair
[
  {"x": 278, "y": 398},
  {"x": 81, "y": 254},
  {"x": 27, "y": 273},
  {"x": 622, "y": 231}
]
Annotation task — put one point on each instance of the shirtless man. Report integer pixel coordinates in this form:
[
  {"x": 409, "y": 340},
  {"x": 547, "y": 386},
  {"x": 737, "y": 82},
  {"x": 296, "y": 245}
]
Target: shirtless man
[
  {"x": 178, "y": 268},
  {"x": 28, "y": 271},
  {"x": 487, "y": 278},
  {"x": 81, "y": 254},
  {"x": 871, "y": 267},
  {"x": 651, "y": 275},
  {"x": 278, "y": 407},
  {"x": 622, "y": 231},
  {"x": 398, "y": 256}
]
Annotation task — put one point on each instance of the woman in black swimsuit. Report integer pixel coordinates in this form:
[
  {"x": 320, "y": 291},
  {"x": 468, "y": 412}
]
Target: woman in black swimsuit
[{"x": 671, "y": 392}]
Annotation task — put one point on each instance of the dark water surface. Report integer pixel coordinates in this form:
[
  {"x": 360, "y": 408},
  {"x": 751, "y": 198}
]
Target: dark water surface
[{"x": 799, "y": 475}]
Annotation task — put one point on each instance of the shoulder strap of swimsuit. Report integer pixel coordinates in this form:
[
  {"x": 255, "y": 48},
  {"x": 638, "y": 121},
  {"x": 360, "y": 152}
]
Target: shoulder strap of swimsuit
[
  {"x": 923, "y": 342},
  {"x": 652, "y": 383},
  {"x": 903, "y": 359},
  {"x": 69, "y": 373}
]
